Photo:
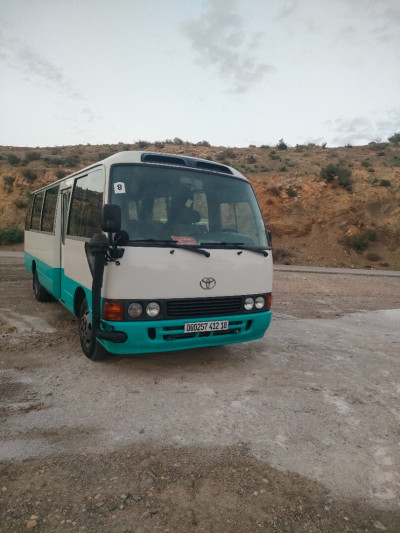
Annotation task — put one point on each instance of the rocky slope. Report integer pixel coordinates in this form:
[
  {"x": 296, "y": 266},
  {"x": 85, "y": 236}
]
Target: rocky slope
[{"x": 349, "y": 216}]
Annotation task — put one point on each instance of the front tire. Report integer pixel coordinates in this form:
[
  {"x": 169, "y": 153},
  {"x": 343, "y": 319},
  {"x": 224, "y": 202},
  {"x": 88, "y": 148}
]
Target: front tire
[
  {"x": 90, "y": 346},
  {"x": 41, "y": 294}
]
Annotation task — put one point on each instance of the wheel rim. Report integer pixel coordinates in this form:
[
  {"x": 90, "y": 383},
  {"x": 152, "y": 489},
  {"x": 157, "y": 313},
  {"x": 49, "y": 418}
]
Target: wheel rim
[{"x": 85, "y": 329}]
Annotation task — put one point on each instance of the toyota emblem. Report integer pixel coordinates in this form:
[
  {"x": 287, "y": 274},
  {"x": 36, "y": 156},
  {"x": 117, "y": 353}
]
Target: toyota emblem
[{"x": 207, "y": 283}]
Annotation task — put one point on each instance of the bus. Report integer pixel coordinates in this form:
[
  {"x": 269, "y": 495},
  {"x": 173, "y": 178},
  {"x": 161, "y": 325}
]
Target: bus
[{"x": 152, "y": 252}]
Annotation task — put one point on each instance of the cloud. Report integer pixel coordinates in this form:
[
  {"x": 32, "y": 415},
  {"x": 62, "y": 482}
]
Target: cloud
[
  {"x": 385, "y": 16},
  {"x": 220, "y": 42},
  {"x": 19, "y": 56},
  {"x": 362, "y": 130}
]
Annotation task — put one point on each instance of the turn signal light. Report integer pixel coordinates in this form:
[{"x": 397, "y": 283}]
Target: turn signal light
[
  {"x": 269, "y": 301},
  {"x": 113, "y": 311}
]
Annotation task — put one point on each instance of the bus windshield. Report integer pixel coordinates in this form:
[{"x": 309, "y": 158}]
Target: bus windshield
[{"x": 186, "y": 206}]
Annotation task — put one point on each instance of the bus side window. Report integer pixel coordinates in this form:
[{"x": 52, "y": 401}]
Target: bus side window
[
  {"x": 49, "y": 209},
  {"x": 37, "y": 210},
  {"x": 86, "y": 204},
  {"x": 28, "y": 218},
  {"x": 65, "y": 198}
]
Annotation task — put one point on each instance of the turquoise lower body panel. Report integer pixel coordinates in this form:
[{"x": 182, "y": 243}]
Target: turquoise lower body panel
[
  {"x": 68, "y": 291},
  {"x": 49, "y": 277},
  {"x": 167, "y": 335}
]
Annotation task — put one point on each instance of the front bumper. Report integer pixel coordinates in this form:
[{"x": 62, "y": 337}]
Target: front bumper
[{"x": 167, "y": 335}]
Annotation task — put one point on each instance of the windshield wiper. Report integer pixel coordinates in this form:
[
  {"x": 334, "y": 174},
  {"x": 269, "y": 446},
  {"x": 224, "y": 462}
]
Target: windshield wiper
[
  {"x": 172, "y": 244},
  {"x": 237, "y": 246}
]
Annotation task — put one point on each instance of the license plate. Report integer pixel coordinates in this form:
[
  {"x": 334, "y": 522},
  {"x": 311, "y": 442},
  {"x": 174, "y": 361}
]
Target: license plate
[{"x": 197, "y": 327}]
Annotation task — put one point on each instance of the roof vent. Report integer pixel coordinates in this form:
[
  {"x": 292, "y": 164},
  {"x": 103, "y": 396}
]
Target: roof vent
[
  {"x": 214, "y": 167},
  {"x": 163, "y": 159}
]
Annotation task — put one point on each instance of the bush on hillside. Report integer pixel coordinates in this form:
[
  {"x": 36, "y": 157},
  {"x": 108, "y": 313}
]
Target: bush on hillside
[
  {"x": 29, "y": 175},
  {"x": 13, "y": 159},
  {"x": 11, "y": 235},
  {"x": 360, "y": 241},
  {"x": 342, "y": 174},
  {"x": 32, "y": 156},
  {"x": 282, "y": 145},
  {"x": 395, "y": 138}
]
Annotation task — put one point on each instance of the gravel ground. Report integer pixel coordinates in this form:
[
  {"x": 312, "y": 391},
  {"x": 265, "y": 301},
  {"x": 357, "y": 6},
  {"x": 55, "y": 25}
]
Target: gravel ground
[{"x": 296, "y": 432}]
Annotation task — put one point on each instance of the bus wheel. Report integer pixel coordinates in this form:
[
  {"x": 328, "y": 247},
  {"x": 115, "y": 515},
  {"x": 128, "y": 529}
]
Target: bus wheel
[
  {"x": 90, "y": 346},
  {"x": 41, "y": 294}
]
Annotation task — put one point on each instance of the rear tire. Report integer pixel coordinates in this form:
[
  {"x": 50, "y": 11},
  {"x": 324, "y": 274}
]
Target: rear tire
[
  {"x": 90, "y": 346},
  {"x": 41, "y": 294}
]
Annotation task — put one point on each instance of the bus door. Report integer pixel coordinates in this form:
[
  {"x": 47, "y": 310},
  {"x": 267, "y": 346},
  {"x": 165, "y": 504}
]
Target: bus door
[{"x": 65, "y": 201}]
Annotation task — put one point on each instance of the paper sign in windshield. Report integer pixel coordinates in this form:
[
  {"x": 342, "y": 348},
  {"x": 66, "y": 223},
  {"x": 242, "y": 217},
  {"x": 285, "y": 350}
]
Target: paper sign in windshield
[{"x": 189, "y": 241}]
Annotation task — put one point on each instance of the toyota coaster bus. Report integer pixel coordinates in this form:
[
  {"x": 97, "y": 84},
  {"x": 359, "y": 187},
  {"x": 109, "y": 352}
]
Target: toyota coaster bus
[{"x": 152, "y": 252}]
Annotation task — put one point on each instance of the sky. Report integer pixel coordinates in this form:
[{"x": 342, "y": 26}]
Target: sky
[{"x": 230, "y": 72}]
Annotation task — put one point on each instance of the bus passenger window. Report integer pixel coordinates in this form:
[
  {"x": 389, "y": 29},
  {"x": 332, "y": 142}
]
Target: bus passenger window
[
  {"x": 86, "y": 204},
  {"x": 28, "y": 218},
  {"x": 37, "y": 211},
  {"x": 49, "y": 209}
]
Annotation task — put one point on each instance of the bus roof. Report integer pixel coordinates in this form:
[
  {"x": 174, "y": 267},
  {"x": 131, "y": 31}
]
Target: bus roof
[
  {"x": 161, "y": 158},
  {"x": 156, "y": 158}
]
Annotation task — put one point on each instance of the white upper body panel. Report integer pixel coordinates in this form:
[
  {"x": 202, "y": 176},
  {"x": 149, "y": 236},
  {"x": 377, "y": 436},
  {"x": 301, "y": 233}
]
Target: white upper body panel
[{"x": 156, "y": 273}]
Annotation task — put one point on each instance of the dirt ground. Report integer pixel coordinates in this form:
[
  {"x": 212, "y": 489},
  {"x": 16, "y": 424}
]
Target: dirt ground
[{"x": 297, "y": 432}]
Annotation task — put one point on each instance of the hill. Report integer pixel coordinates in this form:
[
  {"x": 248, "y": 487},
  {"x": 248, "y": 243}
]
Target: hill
[{"x": 335, "y": 207}]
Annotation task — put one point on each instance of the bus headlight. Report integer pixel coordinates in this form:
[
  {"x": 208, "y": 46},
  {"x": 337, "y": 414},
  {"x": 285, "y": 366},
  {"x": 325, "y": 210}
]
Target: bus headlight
[
  {"x": 152, "y": 309},
  {"x": 260, "y": 302},
  {"x": 249, "y": 303},
  {"x": 135, "y": 310}
]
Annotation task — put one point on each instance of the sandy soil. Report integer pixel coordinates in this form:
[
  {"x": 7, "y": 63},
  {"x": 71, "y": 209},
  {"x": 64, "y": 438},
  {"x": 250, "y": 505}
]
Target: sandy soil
[{"x": 297, "y": 432}]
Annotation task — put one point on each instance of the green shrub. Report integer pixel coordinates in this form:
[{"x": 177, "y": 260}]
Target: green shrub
[
  {"x": 385, "y": 183},
  {"x": 60, "y": 174},
  {"x": 329, "y": 172},
  {"x": 344, "y": 178},
  {"x": 72, "y": 160},
  {"x": 395, "y": 138},
  {"x": 159, "y": 144},
  {"x": 9, "y": 182},
  {"x": 11, "y": 235},
  {"x": 13, "y": 159},
  {"x": 372, "y": 256},
  {"x": 282, "y": 145},
  {"x": 32, "y": 156},
  {"x": 228, "y": 153},
  {"x": 360, "y": 241},
  {"x": 20, "y": 203},
  {"x": 343, "y": 175},
  {"x": 300, "y": 147},
  {"x": 292, "y": 193},
  {"x": 29, "y": 175},
  {"x": 142, "y": 145},
  {"x": 274, "y": 156}
]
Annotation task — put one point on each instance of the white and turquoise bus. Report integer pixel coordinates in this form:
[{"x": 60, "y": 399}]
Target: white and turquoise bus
[{"x": 152, "y": 252}]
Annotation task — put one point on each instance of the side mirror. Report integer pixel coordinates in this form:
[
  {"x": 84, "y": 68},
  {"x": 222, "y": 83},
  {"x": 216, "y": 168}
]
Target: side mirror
[{"x": 111, "y": 218}]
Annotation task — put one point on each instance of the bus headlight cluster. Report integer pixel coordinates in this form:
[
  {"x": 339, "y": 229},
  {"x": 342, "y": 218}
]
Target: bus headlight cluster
[
  {"x": 251, "y": 303},
  {"x": 135, "y": 310}
]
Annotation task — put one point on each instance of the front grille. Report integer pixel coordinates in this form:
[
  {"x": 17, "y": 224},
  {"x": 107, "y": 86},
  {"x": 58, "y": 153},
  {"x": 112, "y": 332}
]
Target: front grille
[{"x": 204, "y": 307}]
